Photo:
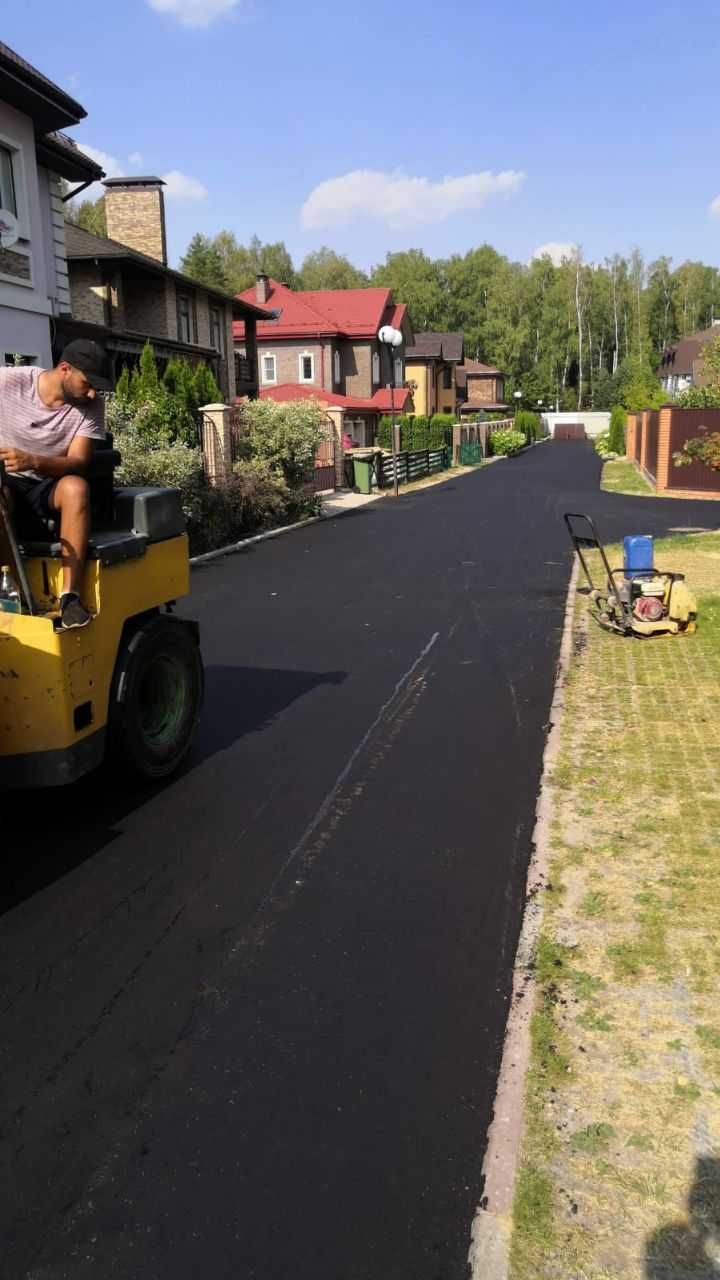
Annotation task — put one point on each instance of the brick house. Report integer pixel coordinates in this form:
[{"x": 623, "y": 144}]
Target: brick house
[
  {"x": 682, "y": 364},
  {"x": 430, "y": 368},
  {"x": 480, "y": 386},
  {"x": 326, "y": 341},
  {"x": 124, "y": 293},
  {"x": 34, "y": 158}
]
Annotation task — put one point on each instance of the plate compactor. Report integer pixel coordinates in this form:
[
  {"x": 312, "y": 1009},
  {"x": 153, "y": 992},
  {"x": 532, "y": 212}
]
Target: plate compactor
[
  {"x": 637, "y": 600},
  {"x": 130, "y": 684}
]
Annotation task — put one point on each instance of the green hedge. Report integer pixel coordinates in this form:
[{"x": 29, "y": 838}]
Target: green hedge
[
  {"x": 529, "y": 423},
  {"x": 616, "y": 434},
  {"x": 417, "y": 431}
]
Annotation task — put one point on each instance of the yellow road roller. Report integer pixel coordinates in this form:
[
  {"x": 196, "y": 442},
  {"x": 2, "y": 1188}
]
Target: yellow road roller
[{"x": 129, "y": 685}]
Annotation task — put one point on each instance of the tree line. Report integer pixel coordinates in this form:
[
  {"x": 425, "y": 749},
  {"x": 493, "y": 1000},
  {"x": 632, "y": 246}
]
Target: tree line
[{"x": 584, "y": 335}]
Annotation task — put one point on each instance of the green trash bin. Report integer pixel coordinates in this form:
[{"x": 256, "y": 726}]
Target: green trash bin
[{"x": 363, "y": 472}]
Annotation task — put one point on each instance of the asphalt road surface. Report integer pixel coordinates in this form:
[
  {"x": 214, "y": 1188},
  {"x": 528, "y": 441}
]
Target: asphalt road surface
[{"x": 252, "y": 1021}]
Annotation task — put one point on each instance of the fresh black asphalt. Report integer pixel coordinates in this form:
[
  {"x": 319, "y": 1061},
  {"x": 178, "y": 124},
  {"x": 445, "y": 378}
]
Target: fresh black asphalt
[{"x": 252, "y": 1021}]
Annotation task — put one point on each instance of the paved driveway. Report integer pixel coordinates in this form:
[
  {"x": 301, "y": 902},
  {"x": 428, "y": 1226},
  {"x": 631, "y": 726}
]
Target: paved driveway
[{"x": 252, "y": 1021}]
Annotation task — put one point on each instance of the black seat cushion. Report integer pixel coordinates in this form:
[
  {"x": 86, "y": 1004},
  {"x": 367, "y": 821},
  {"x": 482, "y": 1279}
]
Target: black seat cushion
[{"x": 110, "y": 546}]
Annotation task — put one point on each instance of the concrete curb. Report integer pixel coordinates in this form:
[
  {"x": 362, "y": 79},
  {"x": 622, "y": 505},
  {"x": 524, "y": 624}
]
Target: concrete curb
[
  {"x": 232, "y": 547},
  {"x": 259, "y": 537},
  {"x": 489, "y": 1255}
]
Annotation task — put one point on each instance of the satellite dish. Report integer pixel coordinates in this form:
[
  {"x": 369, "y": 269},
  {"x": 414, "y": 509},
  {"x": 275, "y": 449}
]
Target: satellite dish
[{"x": 9, "y": 230}]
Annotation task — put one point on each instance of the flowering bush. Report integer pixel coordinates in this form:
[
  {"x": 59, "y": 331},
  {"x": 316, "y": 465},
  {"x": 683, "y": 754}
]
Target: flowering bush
[
  {"x": 506, "y": 442},
  {"x": 704, "y": 448}
]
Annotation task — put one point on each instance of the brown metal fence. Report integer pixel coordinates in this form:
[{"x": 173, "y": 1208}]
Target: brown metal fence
[
  {"x": 638, "y": 436},
  {"x": 686, "y": 424}
]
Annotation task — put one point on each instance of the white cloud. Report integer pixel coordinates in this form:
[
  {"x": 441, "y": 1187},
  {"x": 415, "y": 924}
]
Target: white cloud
[
  {"x": 73, "y": 80},
  {"x": 135, "y": 159},
  {"x": 178, "y": 186},
  {"x": 715, "y": 207},
  {"x": 194, "y": 13},
  {"x": 401, "y": 201},
  {"x": 557, "y": 250},
  {"x": 111, "y": 165}
]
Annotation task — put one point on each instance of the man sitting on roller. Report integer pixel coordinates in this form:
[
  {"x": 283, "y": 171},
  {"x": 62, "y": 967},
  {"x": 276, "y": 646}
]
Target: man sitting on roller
[{"x": 49, "y": 419}]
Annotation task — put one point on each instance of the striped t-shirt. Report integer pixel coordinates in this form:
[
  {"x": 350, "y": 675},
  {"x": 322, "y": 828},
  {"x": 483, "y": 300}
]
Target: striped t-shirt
[{"x": 27, "y": 423}]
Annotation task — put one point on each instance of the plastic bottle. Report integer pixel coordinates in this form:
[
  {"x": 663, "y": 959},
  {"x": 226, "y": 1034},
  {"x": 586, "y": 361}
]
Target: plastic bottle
[{"x": 9, "y": 594}]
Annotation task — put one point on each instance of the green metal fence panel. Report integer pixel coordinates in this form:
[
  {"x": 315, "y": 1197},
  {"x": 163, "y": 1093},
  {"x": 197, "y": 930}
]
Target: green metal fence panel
[{"x": 470, "y": 454}]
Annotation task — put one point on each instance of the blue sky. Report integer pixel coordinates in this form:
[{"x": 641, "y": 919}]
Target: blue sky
[{"x": 340, "y": 124}]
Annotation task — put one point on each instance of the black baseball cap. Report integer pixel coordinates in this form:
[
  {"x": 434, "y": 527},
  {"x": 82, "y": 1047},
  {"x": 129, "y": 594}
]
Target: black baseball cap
[{"x": 90, "y": 358}]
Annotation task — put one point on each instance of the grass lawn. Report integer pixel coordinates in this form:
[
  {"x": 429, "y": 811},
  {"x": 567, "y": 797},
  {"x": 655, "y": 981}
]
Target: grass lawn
[
  {"x": 620, "y": 1161},
  {"x": 622, "y": 476}
]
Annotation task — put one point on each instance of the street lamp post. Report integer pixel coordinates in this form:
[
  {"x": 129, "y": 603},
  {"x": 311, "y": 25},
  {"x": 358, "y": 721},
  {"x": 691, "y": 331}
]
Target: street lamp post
[{"x": 392, "y": 338}]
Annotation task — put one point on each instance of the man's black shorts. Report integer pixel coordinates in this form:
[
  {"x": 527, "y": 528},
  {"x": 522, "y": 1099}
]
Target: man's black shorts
[{"x": 30, "y": 497}]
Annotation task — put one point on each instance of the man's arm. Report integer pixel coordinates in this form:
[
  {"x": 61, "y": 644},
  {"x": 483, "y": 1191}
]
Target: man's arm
[{"x": 74, "y": 463}]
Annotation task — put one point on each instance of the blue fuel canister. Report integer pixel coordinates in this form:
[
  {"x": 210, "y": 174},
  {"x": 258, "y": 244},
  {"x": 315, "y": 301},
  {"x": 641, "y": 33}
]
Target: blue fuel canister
[{"x": 639, "y": 554}]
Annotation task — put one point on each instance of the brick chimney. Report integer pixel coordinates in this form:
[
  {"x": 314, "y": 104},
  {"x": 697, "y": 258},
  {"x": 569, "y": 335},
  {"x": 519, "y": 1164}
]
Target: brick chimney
[
  {"x": 135, "y": 214},
  {"x": 262, "y": 288}
]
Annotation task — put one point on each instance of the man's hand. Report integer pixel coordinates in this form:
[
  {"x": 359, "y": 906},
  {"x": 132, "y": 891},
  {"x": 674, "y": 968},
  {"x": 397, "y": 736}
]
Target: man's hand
[{"x": 17, "y": 460}]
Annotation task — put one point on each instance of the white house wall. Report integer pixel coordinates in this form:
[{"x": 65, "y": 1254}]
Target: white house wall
[
  {"x": 26, "y": 334},
  {"x": 25, "y": 307}
]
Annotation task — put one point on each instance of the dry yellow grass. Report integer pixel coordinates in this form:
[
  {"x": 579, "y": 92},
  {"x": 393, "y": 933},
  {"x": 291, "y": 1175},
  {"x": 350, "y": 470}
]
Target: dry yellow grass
[{"x": 621, "y": 1150}]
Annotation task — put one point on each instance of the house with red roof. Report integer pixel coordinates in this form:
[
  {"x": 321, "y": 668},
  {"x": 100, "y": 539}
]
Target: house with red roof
[{"x": 324, "y": 343}]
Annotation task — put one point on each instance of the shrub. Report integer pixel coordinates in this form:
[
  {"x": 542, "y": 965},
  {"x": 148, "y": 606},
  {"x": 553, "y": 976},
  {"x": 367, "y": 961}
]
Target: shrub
[
  {"x": 416, "y": 431},
  {"x": 529, "y": 424},
  {"x": 506, "y": 442},
  {"x": 286, "y": 435},
  {"x": 602, "y": 444},
  {"x": 616, "y": 434},
  {"x": 302, "y": 504},
  {"x": 441, "y": 425},
  {"x": 175, "y": 465},
  {"x": 705, "y": 448},
  {"x": 164, "y": 409},
  {"x": 699, "y": 398},
  {"x": 169, "y": 464}
]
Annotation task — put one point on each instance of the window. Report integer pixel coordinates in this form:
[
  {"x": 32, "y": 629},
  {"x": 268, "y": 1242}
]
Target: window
[
  {"x": 8, "y": 194},
  {"x": 184, "y": 309},
  {"x": 447, "y": 378},
  {"x": 307, "y": 367},
  {"x": 376, "y": 368},
  {"x": 17, "y": 358},
  {"x": 399, "y": 372},
  {"x": 336, "y": 366},
  {"x": 269, "y": 373},
  {"x": 217, "y": 330}
]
